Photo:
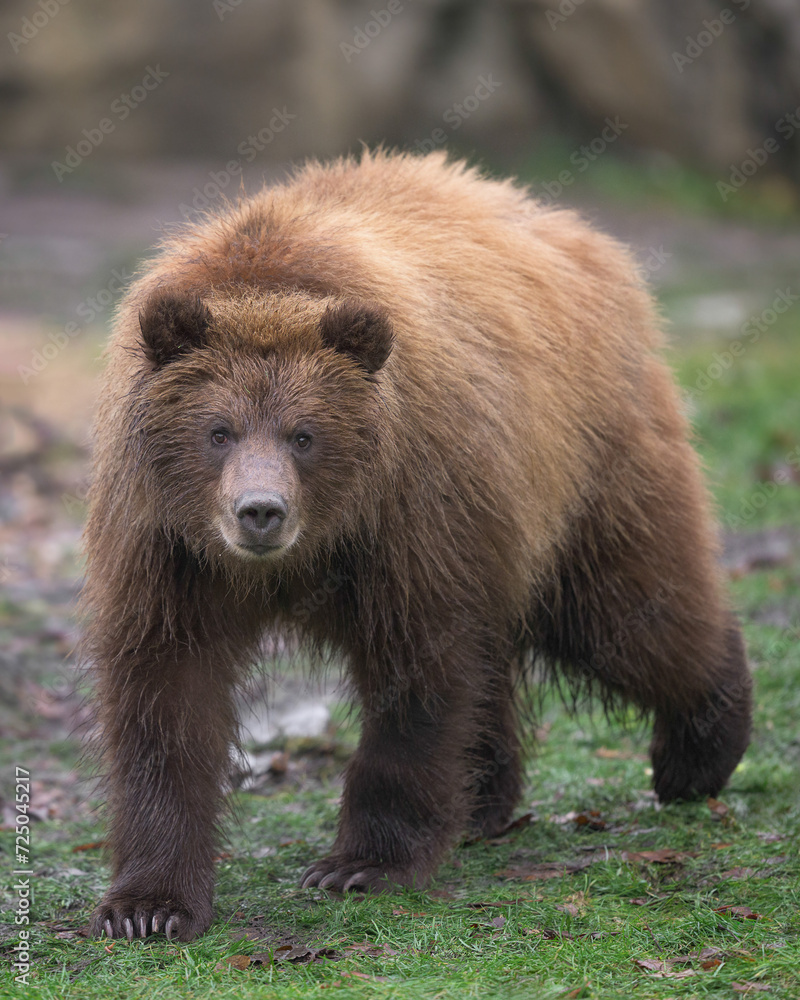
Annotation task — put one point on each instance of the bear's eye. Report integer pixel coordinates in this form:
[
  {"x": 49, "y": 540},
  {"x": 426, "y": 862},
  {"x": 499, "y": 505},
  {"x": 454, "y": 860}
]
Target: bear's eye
[
  {"x": 302, "y": 441},
  {"x": 219, "y": 437}
]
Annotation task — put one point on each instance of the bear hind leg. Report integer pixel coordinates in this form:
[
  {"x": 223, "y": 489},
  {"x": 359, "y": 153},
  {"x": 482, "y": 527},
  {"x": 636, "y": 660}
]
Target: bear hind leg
[{"x": 643, "y": 621}]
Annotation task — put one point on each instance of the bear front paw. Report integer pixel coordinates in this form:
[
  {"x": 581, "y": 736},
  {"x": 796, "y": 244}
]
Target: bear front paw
[
  {"x": 129, "y": 917},
  {"x": 362, "y": 875}
]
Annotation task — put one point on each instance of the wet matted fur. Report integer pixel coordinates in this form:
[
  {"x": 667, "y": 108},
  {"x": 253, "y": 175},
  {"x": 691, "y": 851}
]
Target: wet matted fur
[{"x": 440, "y": 405}]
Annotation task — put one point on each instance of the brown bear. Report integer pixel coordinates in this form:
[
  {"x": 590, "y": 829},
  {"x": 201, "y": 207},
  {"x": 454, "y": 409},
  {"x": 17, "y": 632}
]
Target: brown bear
[{"x": 439, "y": 404}]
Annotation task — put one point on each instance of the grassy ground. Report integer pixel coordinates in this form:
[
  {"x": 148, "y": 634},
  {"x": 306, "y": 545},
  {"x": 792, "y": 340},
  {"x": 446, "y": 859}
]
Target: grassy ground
[{"x": 690, "y": 900}]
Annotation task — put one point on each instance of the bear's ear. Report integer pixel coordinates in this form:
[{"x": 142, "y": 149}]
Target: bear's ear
[
  {"x": 173, "y": 325},
  {"x": 361, "y": 330}
]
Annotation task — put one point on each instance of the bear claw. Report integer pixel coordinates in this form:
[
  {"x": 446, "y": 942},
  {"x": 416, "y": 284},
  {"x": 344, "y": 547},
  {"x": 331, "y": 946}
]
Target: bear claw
[
  {"x": 357, "y": 876},
  {"x": 139, "y": 919}
]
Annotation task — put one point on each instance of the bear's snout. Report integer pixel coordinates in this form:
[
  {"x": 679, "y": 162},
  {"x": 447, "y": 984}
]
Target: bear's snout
[{"x": 260, "y": 517}]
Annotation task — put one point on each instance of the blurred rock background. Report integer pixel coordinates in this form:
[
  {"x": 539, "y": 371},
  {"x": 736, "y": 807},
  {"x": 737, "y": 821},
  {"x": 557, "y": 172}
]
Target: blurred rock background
[{"x": 695, "y": 79}]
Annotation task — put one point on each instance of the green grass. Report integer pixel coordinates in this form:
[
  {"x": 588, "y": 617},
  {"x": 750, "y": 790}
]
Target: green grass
[
  {"x": 748, "y": 424},
  {"x": 579, "y": 935}
]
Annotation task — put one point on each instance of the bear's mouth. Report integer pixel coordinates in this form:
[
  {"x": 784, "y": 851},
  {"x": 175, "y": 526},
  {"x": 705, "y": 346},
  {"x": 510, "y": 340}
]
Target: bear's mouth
[{"x": 258, "y": 550}]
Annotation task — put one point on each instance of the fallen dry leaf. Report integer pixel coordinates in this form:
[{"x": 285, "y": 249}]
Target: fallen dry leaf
[
  {"x": 706, "y": 953},
  {"x": 651, "y": 964},
  {"x": 579, "y": 991},
  {"x": 259, "y": 958},
  {"x": 740, "y": 912},
  {"x": 502, "y": 902},
  {"x": 369, "y": 948},
  {"x": 738, "y": 873},
  {"x": 575, "y": 905},
  {"x": 500, "y": 837},
  {"x": 548, "y": 869},
  {"x": 771, "y": 838},
  {"x": 352, "y": 975},
  {"x": 750, "y": 987},
  {"x": 291, "y": 953},
  {"x": 605, "y": 753},
  {"x": 666, "y": 856},
  {"x": 525, "y": 820},
  {"x": 708, "y": 959},
  {"x": 549, "y": 934},
  {"x": 441, "y": 894},
  {"x": 239, "y": 962},
  {"x": 717, "y": 808},
  {"x": 662, "y": 969},
  {"x": 590, "y": 819},
  {"x": 297, "y": 954}
]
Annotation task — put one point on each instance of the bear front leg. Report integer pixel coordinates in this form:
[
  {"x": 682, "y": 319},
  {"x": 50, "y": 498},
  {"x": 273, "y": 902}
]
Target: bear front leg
[
  {"x": 405, "y": 796},
  {"x": 496, "y": 758},
  {"x": 167, "y": 730}
]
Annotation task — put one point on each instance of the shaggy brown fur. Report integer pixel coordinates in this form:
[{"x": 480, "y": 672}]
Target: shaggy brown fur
[{"x": 439, "y": 405}]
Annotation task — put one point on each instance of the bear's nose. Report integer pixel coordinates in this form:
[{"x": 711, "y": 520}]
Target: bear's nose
[{"x": 261, "y": 514}]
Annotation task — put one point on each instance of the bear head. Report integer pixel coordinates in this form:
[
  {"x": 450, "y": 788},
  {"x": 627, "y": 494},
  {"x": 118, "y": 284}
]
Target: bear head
[{"x": 259, "y": 420}]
